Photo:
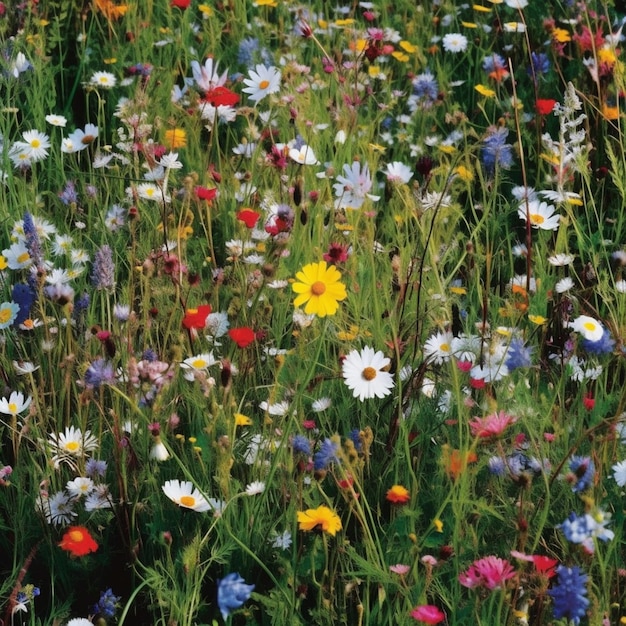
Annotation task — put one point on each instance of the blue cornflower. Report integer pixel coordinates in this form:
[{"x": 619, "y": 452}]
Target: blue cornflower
[
  {"x": 518, "y": 354},
  {"x": 300, "y": 445},
  {"x": 604, "y": 345},
  {"x": 582, "y": 474},
  {"x": 107, "y": 604},
  {"x": 519, "y": 464},
  {"x": 425, "y": 87},
  {"x": 494, "y": 63},
  {"x": 583, "y": 529},
  {"x": 99, "y": 373},
  {"x": 497, "y": 465},
  {"x": 24, "y": 296},
  {"x": 569, "y": 595},
  {"x": 355, "y": 436},
  {"x": 540, "y": 64},
  {"x": 232, "y": 592},
  {"x": 81, "y": 304},
  {"x": 150, "y": 355},
  {"x": 103, "y": 271},
  {"x": 248, "y": 51},
  {"x": 326, "y": 454},
  {"x": 495, "y": 151}
]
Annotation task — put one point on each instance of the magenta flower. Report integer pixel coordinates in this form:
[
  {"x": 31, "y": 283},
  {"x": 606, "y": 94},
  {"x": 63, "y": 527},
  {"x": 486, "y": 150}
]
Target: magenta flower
[
  {"x": 490, "y": 572},
  {"x": 428, "y": 614},
  {"x": 491, "y": 425}
]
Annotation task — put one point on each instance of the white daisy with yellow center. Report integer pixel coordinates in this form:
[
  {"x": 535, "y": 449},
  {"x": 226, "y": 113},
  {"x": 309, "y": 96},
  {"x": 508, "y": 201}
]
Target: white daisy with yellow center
[
  {"x": 588, "y": 327},
  {"x": 364, "y": 373},
  {"x": 183, "y": 493},
  {"x": 15, "y": 404}
]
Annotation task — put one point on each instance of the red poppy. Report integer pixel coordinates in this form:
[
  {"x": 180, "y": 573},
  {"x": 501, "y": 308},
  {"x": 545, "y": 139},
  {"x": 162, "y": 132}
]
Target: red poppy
[
  {"x": 545, "y": 565},
  {"x": 180, "y": 4},
  {"x": 248, "y": 217},
  {"x": 544, "y": 107},
  {"x": 196, "y": 318},
  {"x": 78, "y": 542},
  {"x": 243, "y": 336},
  {"x": 221, "y": 96},
  {"x": 204, "y": 193},
  {"x": 589, "y": 401}
]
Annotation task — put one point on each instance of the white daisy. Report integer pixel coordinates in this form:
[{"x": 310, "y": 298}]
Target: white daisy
[
  {"x": 71, "y": 444},
  {"x": 17, "y": 256},
  {"x": 56, "y": 120},
  {"x": 262, "y": 82},
  {"x": 198, "y": 363},
  {"x": 303, "y": 155},
  {"x": 561, "y": 260},
  {"x": 170, "y": 161},
  {"x": 540, "y": 214},
  {"x": 80, "y": 486},
  {"x": 37, "y": 144},
  {"x": 619, "y": 473},
  {"x": 588, "y": 327},
  {"x": 455, "y": 43},
  {"x": 103, "y": 79},
  {"x": 438, "y": 348},
  {"x": 185, "y": 495},
  {"x": 15, "y": 404},
  {"x": 255, "y": 488},
  {"x": 321, "y": 404},
  {"x": 563, "y": 285},
  {"x": 363, "y": 373}
]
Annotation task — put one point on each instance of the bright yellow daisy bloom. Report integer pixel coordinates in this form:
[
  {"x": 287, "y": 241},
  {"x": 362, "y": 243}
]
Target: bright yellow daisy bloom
[
  {"x": 323, "y": 517},
  {"x": 320, "y": 288}
]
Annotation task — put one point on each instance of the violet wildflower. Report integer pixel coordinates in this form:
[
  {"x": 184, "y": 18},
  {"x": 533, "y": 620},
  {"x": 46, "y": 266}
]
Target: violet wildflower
[
  {"x": 425, "y": 89},
  {"x": 497, "y": 466},
  {"x": 583, "y": 529},
  {"x": 24, "y": 296},
  {"x": 99, "y": 373},
  {"x": 583, "y": 471},
  {"x": 69, "y": 195},
  {"x": 232, "y": 592},
  {"x": 495, "y": 151},
  {"x": 540, "y": 64},
  {"x": 95, "y": 468},
  {"x": 33, "y": 243},
  {"x": 107, "y": 604},
  {"x": 326, "y": 454},
  {"x": 569, "y": 595},
  {"x": 103, "y": 271}
]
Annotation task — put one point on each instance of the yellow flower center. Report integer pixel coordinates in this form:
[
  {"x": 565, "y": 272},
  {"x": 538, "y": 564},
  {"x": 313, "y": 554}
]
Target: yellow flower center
[
  {"x": 5, "y": 315},
  {"x": 76, "y": 536},
  {"x": 318, "y": 288},
  {"x": 199, "y": 363},
  {"x": 369, "y": 373},
  {"x": 264, "y": 84},
  {"x": 35, "y": 143},
  {"x": 589, "y": 326},
  {"x": 22, "y": 258},
  {"x": 189, "y": 501},
  {"x": 444, "y": 347},
  {"x": 12, "y": 407},
  {"x": 535, "y": 218},
  {"x": 72, "y": 446}
]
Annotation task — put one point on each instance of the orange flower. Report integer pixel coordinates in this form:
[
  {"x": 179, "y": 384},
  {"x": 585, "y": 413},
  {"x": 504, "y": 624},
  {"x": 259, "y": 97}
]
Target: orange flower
[
  {"x": 323, "y": 517},
  {"x": 110, "y": 10},
  {"x": 398, "y": 494},
  {"x": 78, "y": 542},
  {"x": 456, "y": 461}
]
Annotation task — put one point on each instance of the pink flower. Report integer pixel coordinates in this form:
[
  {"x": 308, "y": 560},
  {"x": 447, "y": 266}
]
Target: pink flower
[
  {"x": 428, "y": 614},
  {"x": 491, "y": 425},
  {"x": 490, "y": 572},
  {"x": 400, "y": 568}
]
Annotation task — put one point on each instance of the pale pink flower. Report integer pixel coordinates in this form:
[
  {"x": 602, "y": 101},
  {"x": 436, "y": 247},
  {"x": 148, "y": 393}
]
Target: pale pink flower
[
  {"x": 491, "y": 425},
  {"x": 400, "y": 568}
]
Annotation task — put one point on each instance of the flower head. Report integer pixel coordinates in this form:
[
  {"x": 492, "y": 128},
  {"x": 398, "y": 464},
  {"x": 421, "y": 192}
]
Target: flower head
[
  {"x": 398, "y": 494},
  {"x": 185, "y": 495},
  {"x": 196, "y": 317},
  {"x": 320, "y": 288},
  {"x": 490, "y": 572},
  {"x": 262, "y": 82},
  {"x": 328, "y": 521},
  {"x": 363, "y": 373},
  {"x": 455, "y": 43},
  {"x": 78, "y": 541},
  {"x": 353, "y": 187},
  {"x": 491, "y": 425},
  {"x": 71, "y": 444},
  {"x": 232, "y": 592},
  {"x": 541, "y": 215},
  {"x": 588, "y": 327},
  {"x": 428, "y": 614},
  {"x": 106, "y": 80},
  {"x": 16, "y": 403},
  {"x": 569, "y": 595}
]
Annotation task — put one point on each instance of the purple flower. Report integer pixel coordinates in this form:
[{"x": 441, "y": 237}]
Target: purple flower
[
  {"x": 300, "y": 445},
  {"x": 326, "y": 454},
  {"x": 99, "y": 373},
  {"x": 95, "y": 468},
  {"x": 103, "y": 271},
  {"x": 232, "y": 592},
  {"x": 69, "y": 195},
  {"x": 604, "y": 345},
  {"x": 569, "y": 595},
  {"x": 582, "y": 474},
  {"x": 518, "y": 355},
  {"x": 425, "y": 88},
  {"x": 495, "y": 151},
  {"x": 107, "y": 604}
]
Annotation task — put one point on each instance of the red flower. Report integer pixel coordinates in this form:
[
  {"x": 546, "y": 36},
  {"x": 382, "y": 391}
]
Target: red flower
[
  {"x": 545, "y": 565},
  {"x": 180, "y": 4},
  {"x": 78, "y": 541},
  {"x": 248, "y": 217},
  {"x": 243, "y": 337},
  {"x": 428, "y": 614},
  {"x": 544, "y": 107},
  {"x": 196, "y": 318},
  {"x": 206, "y": 194},
  {"x": 589, "y": 401},
  {"x": 221, "y": 96}
]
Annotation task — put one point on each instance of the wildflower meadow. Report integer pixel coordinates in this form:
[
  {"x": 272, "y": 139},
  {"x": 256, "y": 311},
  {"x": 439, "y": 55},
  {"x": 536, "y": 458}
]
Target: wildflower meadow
[{"x": 312, "y": 313}]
